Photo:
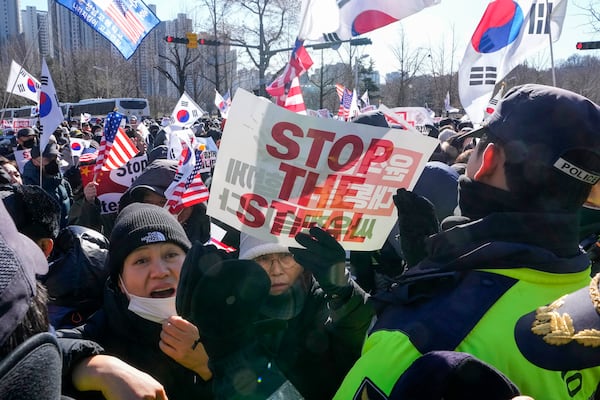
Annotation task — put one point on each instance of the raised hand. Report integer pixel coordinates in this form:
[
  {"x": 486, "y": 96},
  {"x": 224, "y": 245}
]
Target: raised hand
[
  {"x": 325, "y": 258},
  {"x": 416, "y": 221}
]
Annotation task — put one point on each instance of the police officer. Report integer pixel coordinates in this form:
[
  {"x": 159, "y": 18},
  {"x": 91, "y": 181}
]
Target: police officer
[{"x": 513, "y": 249}]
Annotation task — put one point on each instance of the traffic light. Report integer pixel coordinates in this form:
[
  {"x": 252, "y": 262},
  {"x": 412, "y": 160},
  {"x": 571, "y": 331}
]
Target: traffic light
[
  {"x": 587, "y": 45},
  {"x": 192, "y": 39},
  {"x": 173, "y": 39},
  {"x": 208, "y": 42}
]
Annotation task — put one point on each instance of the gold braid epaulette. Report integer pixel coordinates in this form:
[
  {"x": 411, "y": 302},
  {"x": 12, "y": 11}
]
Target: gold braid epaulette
[{"x": 557, "y": 329}]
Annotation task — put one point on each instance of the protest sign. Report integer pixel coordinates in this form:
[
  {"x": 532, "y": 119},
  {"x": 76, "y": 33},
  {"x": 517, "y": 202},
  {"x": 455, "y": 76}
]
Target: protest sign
[
  {"x": 416, "y": 117},
  {"x": 112, "y": 184},
  {"x": 279, "y": 172},
  {"x": 209, "y": 153},
  {"x": 124, "y": 23},
  {"x": 21, "y": 158},
  {"x": 18, "y": 123}
]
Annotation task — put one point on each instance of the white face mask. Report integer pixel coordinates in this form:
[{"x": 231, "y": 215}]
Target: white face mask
[{"x": 155, "y": 310}]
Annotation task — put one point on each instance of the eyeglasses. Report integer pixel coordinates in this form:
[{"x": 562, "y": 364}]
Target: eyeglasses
[{"x": 285, "y": 260}]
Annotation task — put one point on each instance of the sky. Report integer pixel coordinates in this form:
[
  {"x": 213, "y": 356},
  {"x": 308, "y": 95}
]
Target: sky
[{"x": 427, "y": 29}]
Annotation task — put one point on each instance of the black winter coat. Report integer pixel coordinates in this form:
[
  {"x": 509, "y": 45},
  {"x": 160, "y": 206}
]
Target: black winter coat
[
  {"x": 134, "y": 340},
  {"x": 320, "y": 345},
  {"x": 313, "y": 350}
]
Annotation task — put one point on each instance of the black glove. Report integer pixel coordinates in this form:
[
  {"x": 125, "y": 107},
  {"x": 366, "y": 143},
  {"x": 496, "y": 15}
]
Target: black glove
[
  {"x": 325, "y": 258},
  {"x": 416, "y": 221},
  {"x": 197, "y": 261},
  {"x": 225, "y": 305}
]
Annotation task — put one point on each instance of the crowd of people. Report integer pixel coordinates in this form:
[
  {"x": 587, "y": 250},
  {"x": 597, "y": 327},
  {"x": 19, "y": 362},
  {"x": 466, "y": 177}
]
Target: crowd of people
[{"x": 487, "y": 287}]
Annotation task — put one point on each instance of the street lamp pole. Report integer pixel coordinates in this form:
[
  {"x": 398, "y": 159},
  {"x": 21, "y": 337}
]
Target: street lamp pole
[{"x": 105, "y": 69}]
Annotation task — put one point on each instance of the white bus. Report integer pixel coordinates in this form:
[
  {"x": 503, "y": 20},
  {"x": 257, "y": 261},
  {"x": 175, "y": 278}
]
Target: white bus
[
  {"x": 26, "y": 112},
  {"x": 98, "y": 108}
]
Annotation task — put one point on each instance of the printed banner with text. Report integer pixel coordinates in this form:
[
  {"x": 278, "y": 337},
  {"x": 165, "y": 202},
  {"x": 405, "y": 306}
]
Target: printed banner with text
[
  {"x": 279, "y": 172},
  {"x": 125, "y": 23},
  {"x": 112, "y": 184}
]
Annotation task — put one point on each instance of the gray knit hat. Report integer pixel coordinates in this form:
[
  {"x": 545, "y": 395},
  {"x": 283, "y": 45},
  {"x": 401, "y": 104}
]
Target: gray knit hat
[
  {"x": 252, "y": 247},
  {"x": 141, "y": 224}
]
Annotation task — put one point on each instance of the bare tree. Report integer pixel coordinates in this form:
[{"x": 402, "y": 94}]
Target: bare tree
[
  {"x": 20, "y": 51},
  {"x": 217, "y": 10},
  {"x": 442, "y": 72},
  {"x": 181, "y": 59},
  {"x": 578, "y": 73},
  {"x": 590, "y": 7},
  {"x": 324, "y": 79},
  {"x": 263, "y": 25},
  {"x": 410, "y": 64},
  {"x": 325, "y": 87}
]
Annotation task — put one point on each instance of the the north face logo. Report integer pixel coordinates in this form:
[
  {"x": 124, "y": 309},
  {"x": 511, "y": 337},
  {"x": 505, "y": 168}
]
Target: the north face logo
[{"x": 153, "y": 237}]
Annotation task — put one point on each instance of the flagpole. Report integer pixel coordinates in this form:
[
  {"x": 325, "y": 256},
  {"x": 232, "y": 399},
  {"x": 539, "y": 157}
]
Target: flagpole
[{"x": 551, "y": 46}]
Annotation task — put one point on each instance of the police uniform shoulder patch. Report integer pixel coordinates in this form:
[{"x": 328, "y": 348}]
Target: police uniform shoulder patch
[
  {"x": 557, "y": 328},
  {"x": 565, "y": 335}
]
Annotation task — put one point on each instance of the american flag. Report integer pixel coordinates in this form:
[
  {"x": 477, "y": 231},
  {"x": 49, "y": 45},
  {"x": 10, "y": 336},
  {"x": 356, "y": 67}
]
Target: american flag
[
  {"x": 345, "y": 103},
  {"x": 125, "y": 20},
  {"x": 87, "y": 158},
  {"x": 115, "y": 147},
  {"x": 293, "y": 100},
  {"x": 189, "y": 189},
  {"x": 299, "y": 63},
  {"x": 339, "y": 88}
]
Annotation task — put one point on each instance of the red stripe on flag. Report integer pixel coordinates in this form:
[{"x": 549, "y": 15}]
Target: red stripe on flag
[
  {"x": 190, "y": 189},
  {"x": 299, "y": 63},
  {"x": 88, "y": 157},
  {"x": 294, "y": 101},
  {"x": 102, "y": 151},
  {"x": 222, "y": 245},
  {"x": 128, "y": 23},
  {"x": 121, "y": 151},
  {"x": 196, "y": 193},
  {"x": 133, "y": 19},
  {"x": 339, "y": 88}
]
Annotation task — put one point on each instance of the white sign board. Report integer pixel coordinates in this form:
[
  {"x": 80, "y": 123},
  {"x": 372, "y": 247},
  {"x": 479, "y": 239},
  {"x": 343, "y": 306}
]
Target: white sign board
[{"x": 278, "y": 173}]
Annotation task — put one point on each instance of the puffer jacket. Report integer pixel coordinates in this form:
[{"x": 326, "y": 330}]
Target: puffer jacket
[{"x": 134, "y": 340}]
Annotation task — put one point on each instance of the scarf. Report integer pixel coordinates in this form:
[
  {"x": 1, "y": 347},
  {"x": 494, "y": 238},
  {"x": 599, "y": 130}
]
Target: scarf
[{"x": 288, "y": 304}]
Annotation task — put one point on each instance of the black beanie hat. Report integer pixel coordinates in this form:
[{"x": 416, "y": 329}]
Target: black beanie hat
[{"x": 138, "y": 225}]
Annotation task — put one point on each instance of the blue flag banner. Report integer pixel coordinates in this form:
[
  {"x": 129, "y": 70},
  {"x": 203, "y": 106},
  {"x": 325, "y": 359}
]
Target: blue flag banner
[{"x": 125, "y": 23}]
